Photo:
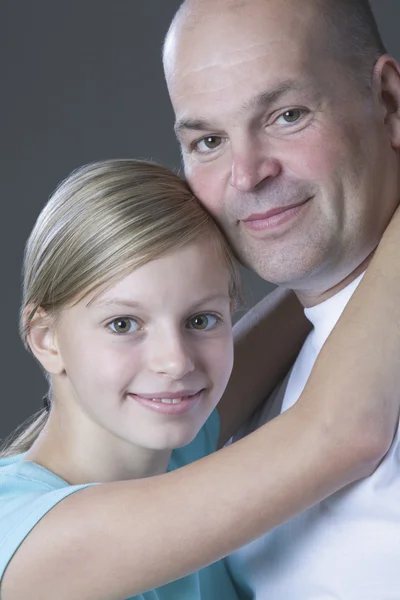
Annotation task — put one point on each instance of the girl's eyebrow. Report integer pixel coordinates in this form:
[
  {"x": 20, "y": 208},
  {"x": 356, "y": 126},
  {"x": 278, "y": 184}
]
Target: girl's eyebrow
[
  {"x": 116, "y": 302},
  {"x": 126, "y": 303},
  {"x": 210, "y": 298}
]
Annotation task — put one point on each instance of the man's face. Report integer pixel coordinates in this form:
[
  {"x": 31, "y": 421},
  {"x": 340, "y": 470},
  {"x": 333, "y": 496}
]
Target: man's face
[{"x": 279, "y": 143}]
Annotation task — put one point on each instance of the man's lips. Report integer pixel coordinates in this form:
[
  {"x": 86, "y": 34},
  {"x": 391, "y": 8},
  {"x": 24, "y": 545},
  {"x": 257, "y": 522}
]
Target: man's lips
[{"x": 274, "y": 217}]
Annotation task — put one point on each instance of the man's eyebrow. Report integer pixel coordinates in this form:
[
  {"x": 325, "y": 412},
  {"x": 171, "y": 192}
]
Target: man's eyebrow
[
  {"x": 192, "y": 125},
  {"x": 260, "y": 100},
  {"x": 266, "y": 98}
]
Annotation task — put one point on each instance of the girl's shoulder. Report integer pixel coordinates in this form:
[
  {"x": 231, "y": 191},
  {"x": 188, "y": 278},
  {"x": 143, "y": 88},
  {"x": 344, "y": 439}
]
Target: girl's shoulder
[
  {"x": 27, "y": 492},
  {"x": 20, "y": 475}
]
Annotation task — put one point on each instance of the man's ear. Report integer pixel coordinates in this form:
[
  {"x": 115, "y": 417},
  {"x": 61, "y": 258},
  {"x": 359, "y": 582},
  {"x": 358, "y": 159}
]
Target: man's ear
[
  {"x": 386, "y": 78},
  {"x": 41, "y": 339}
]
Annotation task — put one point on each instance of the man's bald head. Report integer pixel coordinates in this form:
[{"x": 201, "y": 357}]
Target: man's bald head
[{"x": 350, "y": 32}]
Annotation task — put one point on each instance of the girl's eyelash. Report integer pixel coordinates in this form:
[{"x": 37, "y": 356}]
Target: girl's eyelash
[
  {"x": 109, "y": 324},
  {"x": 218, "y": 318}
]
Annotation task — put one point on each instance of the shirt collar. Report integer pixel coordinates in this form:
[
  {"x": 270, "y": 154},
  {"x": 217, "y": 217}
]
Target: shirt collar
[{"x": 325, "y": 315}]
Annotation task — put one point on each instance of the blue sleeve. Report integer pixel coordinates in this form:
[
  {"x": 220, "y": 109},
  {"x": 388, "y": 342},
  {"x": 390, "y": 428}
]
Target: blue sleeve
[
  {"x": 203, "y": 444},
  {"x": 20, "y": 511}
]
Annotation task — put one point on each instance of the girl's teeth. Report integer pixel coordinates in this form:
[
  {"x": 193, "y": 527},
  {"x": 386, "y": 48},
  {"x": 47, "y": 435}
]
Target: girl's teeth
[{"x": 168, "y": 400}]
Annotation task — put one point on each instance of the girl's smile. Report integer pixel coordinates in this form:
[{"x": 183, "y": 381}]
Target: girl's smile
[{"x": 169, "y": 403}]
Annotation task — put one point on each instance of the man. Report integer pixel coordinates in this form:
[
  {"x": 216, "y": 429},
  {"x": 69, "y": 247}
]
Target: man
[{"x": 288, "y": 115}]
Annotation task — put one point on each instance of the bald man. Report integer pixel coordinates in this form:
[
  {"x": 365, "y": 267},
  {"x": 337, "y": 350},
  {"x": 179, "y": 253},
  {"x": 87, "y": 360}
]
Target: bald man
[{"x": 288, "y": 116}]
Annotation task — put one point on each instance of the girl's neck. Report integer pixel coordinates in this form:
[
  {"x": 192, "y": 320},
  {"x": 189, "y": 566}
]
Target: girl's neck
[{"x": 95, "y": 456}]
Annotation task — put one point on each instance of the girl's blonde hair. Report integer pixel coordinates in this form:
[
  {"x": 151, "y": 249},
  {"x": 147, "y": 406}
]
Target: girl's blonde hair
[{"x": 103, "y": 221}]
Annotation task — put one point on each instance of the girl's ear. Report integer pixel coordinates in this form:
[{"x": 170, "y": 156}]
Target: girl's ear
[{"x": 41, "y": 339}]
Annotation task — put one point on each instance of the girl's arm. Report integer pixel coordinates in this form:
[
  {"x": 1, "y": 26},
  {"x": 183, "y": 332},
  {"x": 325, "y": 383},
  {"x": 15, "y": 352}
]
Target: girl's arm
[
  {"x": 112, "y": 541},
  {"x": 267, "y": 340}
]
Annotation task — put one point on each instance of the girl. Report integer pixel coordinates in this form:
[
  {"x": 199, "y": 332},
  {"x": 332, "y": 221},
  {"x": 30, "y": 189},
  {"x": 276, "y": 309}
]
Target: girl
[{"x": 128, "y": 293}]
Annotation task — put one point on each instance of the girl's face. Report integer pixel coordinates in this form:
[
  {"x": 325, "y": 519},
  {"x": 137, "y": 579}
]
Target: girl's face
[{"x": 147, "y": 361}]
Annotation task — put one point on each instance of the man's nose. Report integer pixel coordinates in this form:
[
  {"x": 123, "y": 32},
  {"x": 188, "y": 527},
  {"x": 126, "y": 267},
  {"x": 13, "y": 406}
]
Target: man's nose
[
  {"x": 170, "y": 356},
  {"x": 251, "y": 166}
]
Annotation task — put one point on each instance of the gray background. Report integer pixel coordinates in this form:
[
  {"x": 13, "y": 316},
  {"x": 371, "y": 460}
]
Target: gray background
[{"x": 81, "y": 81}]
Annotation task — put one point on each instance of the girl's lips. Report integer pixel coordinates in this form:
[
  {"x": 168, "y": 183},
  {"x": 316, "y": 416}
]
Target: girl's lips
[
  {"x": 185, "y": 393},
  {"x": 173, "y": 404}
]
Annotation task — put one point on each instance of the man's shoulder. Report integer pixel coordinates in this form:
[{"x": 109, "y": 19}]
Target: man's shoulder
[{"x": 269, "y": 409}]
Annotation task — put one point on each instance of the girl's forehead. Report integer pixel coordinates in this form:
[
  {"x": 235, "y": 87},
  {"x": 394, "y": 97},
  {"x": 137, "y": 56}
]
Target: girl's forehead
[{"x": 196, "y": 269}]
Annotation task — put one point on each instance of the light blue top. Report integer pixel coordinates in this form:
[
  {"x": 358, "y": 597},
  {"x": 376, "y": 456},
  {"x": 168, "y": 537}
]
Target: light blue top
[{"x": 28, "y": 491}]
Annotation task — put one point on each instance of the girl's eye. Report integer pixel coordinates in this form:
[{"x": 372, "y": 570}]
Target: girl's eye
[
  {"x": 203, "y": 321},
  {"x": 124, "y": 325}
]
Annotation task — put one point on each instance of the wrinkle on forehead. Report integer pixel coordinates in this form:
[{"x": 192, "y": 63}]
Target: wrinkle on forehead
[
  {"x": 237, "y": 57},
  {"x": 210, "y": 33}
]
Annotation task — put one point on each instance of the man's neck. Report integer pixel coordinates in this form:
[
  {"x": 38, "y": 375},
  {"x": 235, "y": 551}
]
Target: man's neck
[{"x": 309, "y": 299}]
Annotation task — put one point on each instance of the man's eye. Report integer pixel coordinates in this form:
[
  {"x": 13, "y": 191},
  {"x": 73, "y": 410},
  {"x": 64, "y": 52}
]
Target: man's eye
[
  {"x": 124, "y": 325},
  {"x": 292, "y": 115},
  {"x": 203, "y": 321},
  {"x": 211, "y": 142}
]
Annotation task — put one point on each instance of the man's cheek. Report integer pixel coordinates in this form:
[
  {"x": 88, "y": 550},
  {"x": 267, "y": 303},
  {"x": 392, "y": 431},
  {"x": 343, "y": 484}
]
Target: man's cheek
[
  {"x": 206, "y": 187},
  {"x": 312, "y": 158}
]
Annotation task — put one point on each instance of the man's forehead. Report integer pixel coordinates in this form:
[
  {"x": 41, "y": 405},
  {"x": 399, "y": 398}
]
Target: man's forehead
[
  {"x": 220, "y": 37},
  {"x": 248, "y": 76}
]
